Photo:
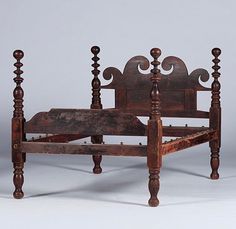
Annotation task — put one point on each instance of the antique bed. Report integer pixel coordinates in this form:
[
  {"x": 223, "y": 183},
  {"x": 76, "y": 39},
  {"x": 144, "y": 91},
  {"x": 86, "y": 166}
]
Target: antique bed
[{"x": 154, "y": 95}]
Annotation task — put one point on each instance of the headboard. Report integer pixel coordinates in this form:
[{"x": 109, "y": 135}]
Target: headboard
[{"x": 178, "y": 89}]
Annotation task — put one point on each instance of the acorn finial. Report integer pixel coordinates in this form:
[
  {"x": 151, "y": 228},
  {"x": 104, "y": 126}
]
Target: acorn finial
[
  {"x": 18, "y": 54},
  {"x": 95, "y": 50},
  {"x": 216, "y": 52},
  {"x": 155, "y": 53}
]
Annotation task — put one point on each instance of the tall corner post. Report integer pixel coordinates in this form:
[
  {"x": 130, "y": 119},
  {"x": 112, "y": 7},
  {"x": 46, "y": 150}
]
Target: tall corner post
[
  {"x": 215, "y": 115},
  {"x": 154, "y": 135},
  {"x": 96, "y": 104},
  {"x": 18, "y": 157}
]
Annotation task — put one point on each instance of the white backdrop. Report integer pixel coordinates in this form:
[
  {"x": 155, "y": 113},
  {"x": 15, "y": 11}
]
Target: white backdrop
[{"x": 56, "y": 36}]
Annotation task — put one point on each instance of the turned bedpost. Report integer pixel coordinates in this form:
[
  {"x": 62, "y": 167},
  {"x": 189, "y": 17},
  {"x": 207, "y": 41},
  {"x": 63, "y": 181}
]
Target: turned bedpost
[
  {"x": 154, "y": 134},
  {"x": 96, "y": 104},
  {"x": 18, "y": 157},
  {"x": 96, "y": 84},
  {"x": 215, "y": 114}
]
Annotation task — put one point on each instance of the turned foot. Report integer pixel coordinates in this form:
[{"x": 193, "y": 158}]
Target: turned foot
[
  {"x": 153, "y": 186},
  {"x": 18, "y": 180},
  {"x": 18, "y": 194},
  {"x": 97, "y": 161},
  {"x": 215, "y": 162}
]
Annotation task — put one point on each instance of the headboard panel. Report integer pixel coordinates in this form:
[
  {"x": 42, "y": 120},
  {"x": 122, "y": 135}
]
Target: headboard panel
[{"x": 178, "y": 89}]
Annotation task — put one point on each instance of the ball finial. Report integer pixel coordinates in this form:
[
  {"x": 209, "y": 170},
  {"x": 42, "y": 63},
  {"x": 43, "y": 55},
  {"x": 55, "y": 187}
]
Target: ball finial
[
  {"x": 155, "y": 52},
  {"x": 18, "y": 54},
  {"x": 95, "y": 50},
  {"x": 216, "y": 52}
]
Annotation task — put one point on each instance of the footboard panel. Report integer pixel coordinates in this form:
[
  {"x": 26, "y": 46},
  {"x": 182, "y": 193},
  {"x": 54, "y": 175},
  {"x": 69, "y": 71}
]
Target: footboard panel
[{"x": 87, "y": 122}]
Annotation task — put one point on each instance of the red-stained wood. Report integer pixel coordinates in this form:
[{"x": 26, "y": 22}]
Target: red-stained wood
[
  {"x": 85, "y": 149},
  {"x": 168, "y": 131},
  {"x": 172, "y": 113},
  {"x": 180, "y": 131},
  {"x": 178, "y": 89},
  {"x": 58, "y": 138},
  {"x": 96, "y": 104},
  {"x": 18, "y": 135},
  {"x": 215, "y": 115},
  {"x": 188, "y": 141},
  {"x": 154, "y": 134},
  {"x": 86, "y": 122},
  {"x": 154, "y": 94}
]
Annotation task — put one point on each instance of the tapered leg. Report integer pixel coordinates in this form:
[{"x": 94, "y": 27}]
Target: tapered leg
[
  {"x": 215, "y": 162},
  {"x": 18, "y": 180},
  {"x": 154, "y": 132},
  {"x": 97, "y": 164},
  {"x": 215, "y": 115},
  {"x": 97, "y": 158},
  {"x": 18, "y": 134},
  {"x": 153, "y": 186}
]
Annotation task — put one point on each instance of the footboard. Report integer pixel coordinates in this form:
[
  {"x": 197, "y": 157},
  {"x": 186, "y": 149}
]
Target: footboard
[{"x": 88, "y": 122}]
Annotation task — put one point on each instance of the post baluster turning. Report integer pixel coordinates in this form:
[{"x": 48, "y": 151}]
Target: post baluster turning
[
  {"x": 18, "y": 157},
  {"x": 96, "y": 104},
  {"x": 215, "y": 115},
  {"x": 154, "y": 131}
]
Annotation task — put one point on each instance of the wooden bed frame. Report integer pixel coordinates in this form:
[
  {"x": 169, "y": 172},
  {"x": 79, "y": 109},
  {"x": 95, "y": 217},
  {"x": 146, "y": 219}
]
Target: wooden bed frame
[{"x": 136, "y": 94}]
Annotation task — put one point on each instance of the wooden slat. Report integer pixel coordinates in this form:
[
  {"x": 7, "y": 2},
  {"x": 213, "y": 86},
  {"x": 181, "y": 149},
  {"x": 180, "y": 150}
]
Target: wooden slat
[
  {"x": 186, "y": 114},
  {"x": 180, "y": 131},
  {"x": 117, "y": 150},
  {"x": 168, "y": 131},
  {"x": 59, "y": 138},
  {"x": 188, "y": 141},
  {"x": 67, "y": 148},
  {"x": 172, "y": 113}
]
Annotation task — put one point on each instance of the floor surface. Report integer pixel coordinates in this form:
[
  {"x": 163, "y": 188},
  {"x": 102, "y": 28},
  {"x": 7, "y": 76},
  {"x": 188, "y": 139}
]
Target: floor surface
[{"x": 61, "y": 192}]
